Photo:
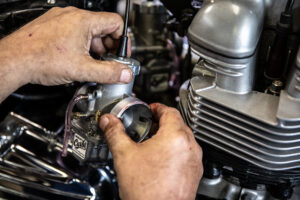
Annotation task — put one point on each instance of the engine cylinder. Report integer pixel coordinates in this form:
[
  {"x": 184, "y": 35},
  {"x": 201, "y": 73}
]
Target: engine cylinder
[{"x": 225, "y": 34}]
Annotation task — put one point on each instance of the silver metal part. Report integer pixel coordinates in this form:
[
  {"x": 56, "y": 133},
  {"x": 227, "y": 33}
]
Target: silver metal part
[
  {"x": 238, "y": 23},
  {"x": 115, "y": 99},
  {"x": 135, "y": 116},
  {"x": 222, "y": 110},
  {"x": 149, "y": 17},
  {"x": 230, "y": 53},
  {"x": 219, "y": 104},
  {"x": 221, "y": 188},
  {"x": 247, "y": 126},
  {"x": 151, "y": 45},
  {"x": 149, "y": 7},
  {"x": 293, "y": 87},
  {"x": 233, "y": 75},
  {"x": 254, "y": 130},
  {"x": 31, "y": 166}
]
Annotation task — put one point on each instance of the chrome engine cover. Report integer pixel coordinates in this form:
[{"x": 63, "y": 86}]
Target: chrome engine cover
[{"x": 31, "y": 166}]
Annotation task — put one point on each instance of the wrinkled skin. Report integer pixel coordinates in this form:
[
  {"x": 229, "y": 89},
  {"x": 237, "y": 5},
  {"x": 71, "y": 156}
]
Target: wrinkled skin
[
  {"x": 166, "y": 166},
  {"x": 54, "y": 49}
]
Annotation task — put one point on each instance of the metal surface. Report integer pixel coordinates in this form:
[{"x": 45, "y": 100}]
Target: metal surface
[
  {"x": 135, "y": 116},
  {"x": 293, "y": 87},
  {"x": 109, "y": 93},
  {"x": 151, "y": 46},
  {"x": 31, "y": 166},
  {"x": 148, "y": 21},
  {"x": 252, "y": 138},
  {"x": 221, "y": 188},
  {"x": 230, "y": 53},
  {"x": 229, "y": 27},
  {"x": 233, "y": 75},
  {"x": 245, "y": 126},
  {"x": 221, "y": 107},
  {"x": 115, "y": 99},
  {"x": 149, "y": 7}
]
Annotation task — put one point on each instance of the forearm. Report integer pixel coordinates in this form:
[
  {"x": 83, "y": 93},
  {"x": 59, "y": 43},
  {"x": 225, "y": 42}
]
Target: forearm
[{"x": 12, "y": 73}]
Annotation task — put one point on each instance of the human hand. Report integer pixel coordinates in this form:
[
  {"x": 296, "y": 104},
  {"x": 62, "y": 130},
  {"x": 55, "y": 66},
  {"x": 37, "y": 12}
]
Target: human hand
[
  {"x": 54, "y": 49},
  {"x": 166, "y": 166}
]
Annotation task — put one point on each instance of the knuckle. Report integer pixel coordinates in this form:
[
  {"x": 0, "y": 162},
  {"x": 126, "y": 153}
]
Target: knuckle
[
  {"x": 173, "y": 111},
  {"x": 75, "y": 13},
  {"x": 180, "y": 139},
  {"x": 54, "y": 9},
  {"x": 109, "y": 134},
  {"x": 117, "y": 16},
  {"x": 115, "y": 126},
  {"x": 112, "y": 129},
  {"x": 114, "y": 66},
  {"x": 70, "y": 8}
]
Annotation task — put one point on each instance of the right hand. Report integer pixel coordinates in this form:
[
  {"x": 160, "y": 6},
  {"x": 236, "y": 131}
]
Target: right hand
[{"x": 166, "y": 166}]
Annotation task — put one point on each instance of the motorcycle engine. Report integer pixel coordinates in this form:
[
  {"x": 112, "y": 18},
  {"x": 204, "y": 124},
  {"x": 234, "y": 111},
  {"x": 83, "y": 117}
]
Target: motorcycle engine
[
  {"x": 238, "y": 65},
  {"x": 242, "y": 107}
]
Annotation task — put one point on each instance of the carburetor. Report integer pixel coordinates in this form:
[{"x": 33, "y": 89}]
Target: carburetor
[{"x": 93, "y": 100}]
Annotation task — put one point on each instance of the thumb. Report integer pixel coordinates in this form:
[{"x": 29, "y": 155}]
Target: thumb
[
  {"x": 106, "y": 72},
  {"x": 116, "y": 137}
]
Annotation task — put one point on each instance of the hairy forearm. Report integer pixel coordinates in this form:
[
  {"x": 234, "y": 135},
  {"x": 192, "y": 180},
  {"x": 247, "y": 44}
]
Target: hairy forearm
[{"x": 12, "y": 75}]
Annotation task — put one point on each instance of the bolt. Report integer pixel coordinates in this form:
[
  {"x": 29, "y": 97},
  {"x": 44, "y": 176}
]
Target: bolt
[{"x": 276, "y": 86}]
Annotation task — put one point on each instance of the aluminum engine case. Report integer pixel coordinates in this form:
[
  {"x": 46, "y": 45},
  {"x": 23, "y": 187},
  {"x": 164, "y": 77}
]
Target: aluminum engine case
[{"x": 218, "y": 103}]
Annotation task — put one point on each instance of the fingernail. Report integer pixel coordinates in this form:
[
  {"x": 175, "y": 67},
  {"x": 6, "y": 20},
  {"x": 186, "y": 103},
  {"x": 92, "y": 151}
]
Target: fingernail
[
  {"x": 103, "y": 122},
  {"x": 125, "y": 75}
]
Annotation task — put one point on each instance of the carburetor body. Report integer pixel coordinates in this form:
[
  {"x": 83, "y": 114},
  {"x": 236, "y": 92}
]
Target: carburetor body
[{"x": 88, "y": 143}]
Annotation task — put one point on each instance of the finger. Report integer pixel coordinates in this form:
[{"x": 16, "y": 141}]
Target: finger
[
  {"x": 104, "y": 23},
  {"x": 106, "y": 72},
  {"x": 168, "y": 118},
  {"x": 109, "y": 43},
  {"x": 97, "y": 46},
  {"x": 112, "y": 44},
  {"x": 115, "y": 135}
]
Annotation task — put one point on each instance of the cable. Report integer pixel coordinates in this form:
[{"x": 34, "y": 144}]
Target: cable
[
  {"x": 122, "y": 52},
  {"x": 289, "y": 6},
  {"x": 126, "y": 18}
]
